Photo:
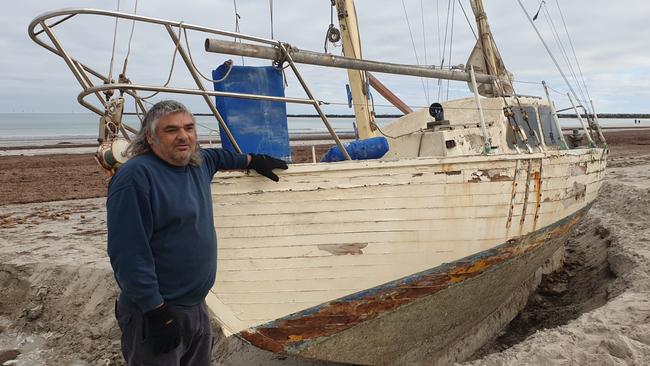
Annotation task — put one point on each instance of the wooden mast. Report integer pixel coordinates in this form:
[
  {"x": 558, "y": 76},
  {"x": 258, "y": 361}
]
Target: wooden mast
[{"x": 363, "y": 111}]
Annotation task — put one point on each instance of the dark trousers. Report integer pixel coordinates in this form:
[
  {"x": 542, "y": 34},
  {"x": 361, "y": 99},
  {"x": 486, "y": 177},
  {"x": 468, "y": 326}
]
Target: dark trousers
[{"x": 195, "y": 348}]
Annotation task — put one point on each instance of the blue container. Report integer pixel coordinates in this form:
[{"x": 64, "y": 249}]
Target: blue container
[
  {"x": 372, "y": 148},
  {"x": 259, "y": 127}
]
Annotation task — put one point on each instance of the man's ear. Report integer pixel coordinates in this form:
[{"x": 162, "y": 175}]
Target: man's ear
[{"x": 149, "y": 139}]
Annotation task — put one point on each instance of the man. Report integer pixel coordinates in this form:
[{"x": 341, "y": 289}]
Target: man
[{"x": 161, "y": 238}]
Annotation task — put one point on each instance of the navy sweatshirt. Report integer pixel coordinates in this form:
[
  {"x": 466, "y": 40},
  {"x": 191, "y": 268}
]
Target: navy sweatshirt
[{"x": 161, "y": 238}]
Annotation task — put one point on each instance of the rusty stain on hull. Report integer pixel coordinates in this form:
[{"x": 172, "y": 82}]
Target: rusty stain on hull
[
  {"x": 537, "y": 176},
  {"x": 513, "y": 193},
  {"x": 286, "y": 335}
]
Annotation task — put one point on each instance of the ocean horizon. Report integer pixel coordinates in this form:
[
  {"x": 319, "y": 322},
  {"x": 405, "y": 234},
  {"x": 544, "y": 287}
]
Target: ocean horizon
[{"x": 18, "y": 128}]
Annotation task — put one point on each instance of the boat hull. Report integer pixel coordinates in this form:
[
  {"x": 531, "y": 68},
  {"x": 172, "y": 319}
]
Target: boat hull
[
  {"x": 356, "y": 261},
  {"x": 436, "y": 317}
]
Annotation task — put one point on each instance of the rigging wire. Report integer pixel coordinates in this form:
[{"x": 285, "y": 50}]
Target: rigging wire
[
  {"x": 547, "y": 49},
  {"x": 573, "y": 50},
  {"x": 560, "y": 45},
  {"x": 451, "y": 39},
  {"x": 128, "y": 51},
  {"x": 413, "y": 106},
  {"x": 110, "y": 70},
  {"x": 471, "y": 27},
  {"x": 440, "y": 51},
  {"x": 424, "y": 44},
  {"x": 417, "y": 60},
  {"x": 271, "y": 11},
  {"x": 444, "y": 49}
]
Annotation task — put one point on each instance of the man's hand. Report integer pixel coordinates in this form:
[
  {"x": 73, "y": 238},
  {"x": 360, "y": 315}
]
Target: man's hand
[
  {"x": 264, "y": 165},
  {"x": 161, "y": 330}
]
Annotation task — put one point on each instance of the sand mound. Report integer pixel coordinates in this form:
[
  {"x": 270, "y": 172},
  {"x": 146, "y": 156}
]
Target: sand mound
[
  {"x": 618, "y": 332},
  {"x": 64, "y": 312}
]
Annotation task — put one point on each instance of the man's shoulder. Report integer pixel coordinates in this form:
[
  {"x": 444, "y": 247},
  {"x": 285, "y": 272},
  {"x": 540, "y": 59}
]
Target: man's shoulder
[
  {"x": 134, "y": 172},
  {"x": 135, "y": 165}
]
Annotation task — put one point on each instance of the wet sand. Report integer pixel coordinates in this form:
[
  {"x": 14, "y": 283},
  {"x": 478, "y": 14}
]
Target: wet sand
[{"x": 58, "y": 288}]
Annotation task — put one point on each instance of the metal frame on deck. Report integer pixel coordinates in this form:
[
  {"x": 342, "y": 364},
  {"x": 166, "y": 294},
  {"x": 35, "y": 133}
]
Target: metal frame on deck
[{"x": 82, "y": 71}]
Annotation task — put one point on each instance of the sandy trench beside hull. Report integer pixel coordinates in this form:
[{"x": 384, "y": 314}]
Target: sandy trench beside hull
[{"x": 320, "y": 263}]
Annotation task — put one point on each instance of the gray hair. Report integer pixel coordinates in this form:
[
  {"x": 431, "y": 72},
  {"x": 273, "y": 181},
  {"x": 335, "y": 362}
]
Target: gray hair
[{"x": 140, "y": 145}]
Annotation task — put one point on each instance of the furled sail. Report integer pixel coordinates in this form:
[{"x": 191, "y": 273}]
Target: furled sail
[{"x": 485, "y": 58}]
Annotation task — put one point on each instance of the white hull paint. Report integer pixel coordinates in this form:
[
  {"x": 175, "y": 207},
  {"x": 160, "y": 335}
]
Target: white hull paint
[{"x": 330, "y": 230}]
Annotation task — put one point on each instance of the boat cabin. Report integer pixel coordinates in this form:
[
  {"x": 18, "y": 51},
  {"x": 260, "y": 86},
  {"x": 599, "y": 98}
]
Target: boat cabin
[{"x": 459, "y": 133}]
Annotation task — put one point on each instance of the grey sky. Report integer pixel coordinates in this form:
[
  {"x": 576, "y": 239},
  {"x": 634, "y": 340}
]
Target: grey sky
[{"x": 610, "y": 40}]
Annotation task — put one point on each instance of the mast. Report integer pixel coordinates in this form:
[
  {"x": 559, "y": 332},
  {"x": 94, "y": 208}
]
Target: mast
[
  {"x": 363, "y": 111},
  {"x": 485, "y": 56}
]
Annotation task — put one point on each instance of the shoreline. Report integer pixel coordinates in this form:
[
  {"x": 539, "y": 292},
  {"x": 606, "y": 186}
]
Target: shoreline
[
  {"x": 88, "y": 144},
  {"x": 63, "y": 172}
]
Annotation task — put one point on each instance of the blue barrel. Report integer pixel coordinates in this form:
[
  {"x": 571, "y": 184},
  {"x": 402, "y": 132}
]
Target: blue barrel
[
  {"x": 372, "y": 148},
  {"x": 258, "y": 126}
]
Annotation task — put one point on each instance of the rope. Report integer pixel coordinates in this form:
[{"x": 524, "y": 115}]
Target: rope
[
  {"x": 417, "y": 60},
  {"x": 171, "y": 69},
  {"x": 189, "y": 53},
  {"x": 237, "y": 17},
  {"x": 332, "y": 34},
  {"x": 395, "y": 137}
]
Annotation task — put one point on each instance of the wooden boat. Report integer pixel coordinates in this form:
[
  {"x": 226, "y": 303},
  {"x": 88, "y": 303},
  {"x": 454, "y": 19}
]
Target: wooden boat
[{"x": 419, "y": 256}]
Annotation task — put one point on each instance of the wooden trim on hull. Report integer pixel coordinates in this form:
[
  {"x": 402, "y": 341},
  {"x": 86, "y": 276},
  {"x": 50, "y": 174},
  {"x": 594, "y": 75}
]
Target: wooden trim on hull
[{"x": 326, "y": 331}]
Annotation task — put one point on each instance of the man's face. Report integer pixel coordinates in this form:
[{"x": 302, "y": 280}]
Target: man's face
[{"x": 175, "y": 140}]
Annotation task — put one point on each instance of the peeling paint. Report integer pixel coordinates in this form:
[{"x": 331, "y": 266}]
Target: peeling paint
[
  {"x": 577, "y": 169},
  {"x": 450, "y": 172},
  {"x": 343, "y": 249},
  {"x": 490, "y": 175},
  {"x": 576, "y": 193}
]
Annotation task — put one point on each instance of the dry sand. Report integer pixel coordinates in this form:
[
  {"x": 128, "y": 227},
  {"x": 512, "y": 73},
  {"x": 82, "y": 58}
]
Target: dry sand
[{"x": 58, "y": 289}]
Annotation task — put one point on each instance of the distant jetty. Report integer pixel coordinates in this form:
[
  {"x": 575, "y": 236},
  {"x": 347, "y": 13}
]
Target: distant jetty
[{"x": 609, "y": 115}]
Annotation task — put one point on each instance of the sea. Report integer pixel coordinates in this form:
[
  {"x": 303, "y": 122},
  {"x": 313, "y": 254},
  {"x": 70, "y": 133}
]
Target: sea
[{"x": 18, "y": 129}]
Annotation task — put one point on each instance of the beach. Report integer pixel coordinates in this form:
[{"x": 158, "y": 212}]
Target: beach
[{"x": 59, "y": 290}]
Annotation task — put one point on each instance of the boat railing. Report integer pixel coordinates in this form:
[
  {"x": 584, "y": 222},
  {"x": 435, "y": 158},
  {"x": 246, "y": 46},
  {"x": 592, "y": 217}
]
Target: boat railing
[{"x": 281, "y": 51}]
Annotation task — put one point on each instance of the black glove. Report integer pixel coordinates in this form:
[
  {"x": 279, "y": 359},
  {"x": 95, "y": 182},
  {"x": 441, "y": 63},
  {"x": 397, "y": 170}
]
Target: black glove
[
  {"x": 264, "y": 165},
  {"x": 161, "y": 330}
]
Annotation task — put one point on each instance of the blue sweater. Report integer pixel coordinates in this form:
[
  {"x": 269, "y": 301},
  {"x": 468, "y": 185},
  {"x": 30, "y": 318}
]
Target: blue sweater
[{"x": 161, "y": 238}]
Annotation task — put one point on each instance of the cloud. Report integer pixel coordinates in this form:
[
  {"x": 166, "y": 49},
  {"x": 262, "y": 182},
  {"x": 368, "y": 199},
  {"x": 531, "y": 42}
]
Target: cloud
[{"x": 609, "y": 39}]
